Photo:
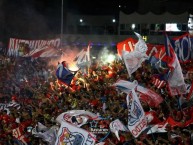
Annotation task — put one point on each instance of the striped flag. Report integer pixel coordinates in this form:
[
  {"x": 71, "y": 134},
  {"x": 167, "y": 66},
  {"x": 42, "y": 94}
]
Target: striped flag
[{"x": 158, "y": 83}]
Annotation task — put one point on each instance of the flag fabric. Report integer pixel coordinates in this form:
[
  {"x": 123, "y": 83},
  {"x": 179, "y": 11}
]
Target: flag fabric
[
  {"x": 64, "y": 74},
  {"x": 158, "y": 81},
  {"x": 76, "y": 117},
  {"x": 183, "y": 47},
  {"x": 117, "y": 125},
  {"x": 136, "y": 117},
  {"x": 176, "y": 82},
  {"x": 152, "y": 118},
  {"x": 159, "y": 62},
  {"x": 125, "y": 86},
  {"x": 137, "y": 122},
  {"x": 149, "y": 96},
  {"x": 158, "y": 128},
  {"x": 134, "y": 59},
  {"x": 41, "y": 127},
  {"x": 126, "y": 45},
  {"x": 48, "y": 135},
  {"x": 83, "y": 59},
  {"x": 69, "y": 134},
  {"x": 45, "y": 51}
]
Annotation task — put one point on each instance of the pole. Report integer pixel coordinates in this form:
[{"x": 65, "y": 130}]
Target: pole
[{"x": 62, "y": 22}]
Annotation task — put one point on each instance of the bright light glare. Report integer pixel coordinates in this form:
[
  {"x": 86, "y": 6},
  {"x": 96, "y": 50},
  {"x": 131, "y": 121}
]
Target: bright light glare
[
  {"x": 113, "y": 20},
  {"x": 110, "y": 58},
  {"x": 72, "y": 67},
  {"x": 133, "y": 26},
  {"x": 173, "y": 27},
  {"x": 81, "y": 20}
]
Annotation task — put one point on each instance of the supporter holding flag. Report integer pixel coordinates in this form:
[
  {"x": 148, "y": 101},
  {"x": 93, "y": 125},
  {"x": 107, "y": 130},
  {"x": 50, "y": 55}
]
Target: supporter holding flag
[{"x": 64, "y": 74}]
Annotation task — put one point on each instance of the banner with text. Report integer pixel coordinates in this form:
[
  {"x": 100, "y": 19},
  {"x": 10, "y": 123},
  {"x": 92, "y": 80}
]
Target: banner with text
[{"x": 21, "y": 47}]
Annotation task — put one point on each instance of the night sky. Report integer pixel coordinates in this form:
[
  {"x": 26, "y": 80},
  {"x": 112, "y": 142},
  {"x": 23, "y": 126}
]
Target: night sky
[{"x": 35, "y": 19}]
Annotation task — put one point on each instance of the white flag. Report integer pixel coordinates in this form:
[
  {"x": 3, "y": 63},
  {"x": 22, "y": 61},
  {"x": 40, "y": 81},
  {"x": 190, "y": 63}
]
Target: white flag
[
  {"x": 136, "y": 117},
  {"x": 69, "y": 134},
  {"x": 48, "y": 136},
  {"x": 134, "y": 58},
  {"x": 83, "y": 59},
  {"x": 158, "y": 128},
  {"x": 125, "y": 86},
  {"x": 117, "y": 125},
  {"x": 76, "y": 117}
]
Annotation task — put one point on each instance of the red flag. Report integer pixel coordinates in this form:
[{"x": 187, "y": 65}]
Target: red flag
[
  {"x": 152, "y": 117},
  {"x": 127, "y": 45},
  {"x": 149, "y": 96}
]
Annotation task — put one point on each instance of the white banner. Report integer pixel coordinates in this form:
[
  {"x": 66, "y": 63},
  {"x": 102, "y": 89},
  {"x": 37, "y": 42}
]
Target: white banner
[
  {"x": 20, "y": 47},
  {"x": 117, "y": 125},
  {"x": 69, "y": 134},
  {"x": 136, "y": 117}
]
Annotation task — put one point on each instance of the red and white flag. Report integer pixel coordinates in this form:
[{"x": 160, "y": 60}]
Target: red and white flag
[
  {"x": 149, "y": 96},
  {"x": 158, "y": 83},
  {"x": 126, "y": 45},
  {"x": 152, "y": 118},
  {"x": 45, "y": 51},
  {"x": 134, "y": 59},
  {"x": 176, "y": 82}
]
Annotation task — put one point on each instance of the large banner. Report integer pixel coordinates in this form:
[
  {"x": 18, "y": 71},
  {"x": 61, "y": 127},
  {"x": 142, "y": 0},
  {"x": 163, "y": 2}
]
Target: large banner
[
  {"x": 69, "y": 134},
  {"x": 183, "y": 47},
  {"x": 34, "y": 48},
  {"x": 129, "y": 45},
  {"x": 137, "y": 121}
]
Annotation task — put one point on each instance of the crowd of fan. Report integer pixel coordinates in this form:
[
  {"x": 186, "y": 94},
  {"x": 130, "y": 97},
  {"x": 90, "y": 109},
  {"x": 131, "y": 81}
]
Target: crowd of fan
[{"x": 33, "y": 84}]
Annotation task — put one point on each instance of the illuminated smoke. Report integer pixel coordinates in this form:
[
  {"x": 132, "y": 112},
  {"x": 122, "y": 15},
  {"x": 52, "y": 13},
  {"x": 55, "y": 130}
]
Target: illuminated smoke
[
  {"x": 68, "y": 54},
  {"x": 105, "y": 56}
]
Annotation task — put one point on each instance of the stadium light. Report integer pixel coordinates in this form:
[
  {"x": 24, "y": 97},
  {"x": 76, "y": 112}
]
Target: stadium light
[
  {"x": 81, "y": 20},
  {"x": 133, "y": 26}
]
